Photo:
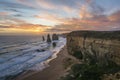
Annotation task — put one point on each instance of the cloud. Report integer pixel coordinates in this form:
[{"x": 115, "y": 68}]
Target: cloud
[
  {"x": 10, "y": 21},
  {"x": 90, "y": 9},
  {"x": 17, "y": 24},
  {"x": 51, "y": 18},
  {"x": 14, "y": 10},
  {"x": 29, "y": 3},
  {"x": 84, "y": 12},
  {"x": 67, "y": 9},
  {"x": 46, "y": 5},
  {"x": 65, "y": 5},
  {"x": 34, "y": 28},
  {"x": 62, "y": 15},
  {"x": 115, "y": 16},
  {"x": 2, "y": 26},
  {"x": 8, "y": 4},
  {"x": 46, "y": 16},
  {"x": 37, "y": 4},
  {"x": 13, "y": 7},
  {"x": 63, "y": 28},
  {"x": 96, "y": 22},
  {"x": 4, "y": 13},
  {"x": 18, "y": 15}
]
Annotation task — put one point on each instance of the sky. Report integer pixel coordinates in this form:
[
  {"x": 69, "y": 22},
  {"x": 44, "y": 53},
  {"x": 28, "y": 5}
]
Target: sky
[{"x": 58, "y": 16}]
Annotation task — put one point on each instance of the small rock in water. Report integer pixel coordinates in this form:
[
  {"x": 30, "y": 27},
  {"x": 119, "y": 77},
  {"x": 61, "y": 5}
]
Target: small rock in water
[
  {"x": 40, "y": 50},
  {"x": 54, "y": 44}
]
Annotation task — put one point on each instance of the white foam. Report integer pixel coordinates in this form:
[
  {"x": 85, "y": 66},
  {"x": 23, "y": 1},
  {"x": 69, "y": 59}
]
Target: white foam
[
  {"x": 60, "y": 44},
  {"x": 29, "y": 59}
]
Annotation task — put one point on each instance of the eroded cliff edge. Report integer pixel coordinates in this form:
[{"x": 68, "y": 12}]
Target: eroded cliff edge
[{"x": 101, "y": 45}]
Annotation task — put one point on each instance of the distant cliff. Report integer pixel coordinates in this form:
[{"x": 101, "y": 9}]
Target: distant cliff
[{"x": 101, "y": 45}]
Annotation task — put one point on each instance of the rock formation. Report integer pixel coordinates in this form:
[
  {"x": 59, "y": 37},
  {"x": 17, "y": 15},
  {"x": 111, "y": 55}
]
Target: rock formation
[
  {"x": 102, "y": 45},
  {"x": 48, "y": 38},
  {"x": 43, "y": 38},
  {"x": 55, "y": 37},
  {"x": 54, "y": 44}
]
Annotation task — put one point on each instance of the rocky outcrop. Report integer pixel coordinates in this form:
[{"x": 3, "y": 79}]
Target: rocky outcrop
[
  {"x": 49, "y": 39},
  {"x": 55, "y": 37},
  {"x": 102, "y": 45},
  {"x": 43, "y": 38}
]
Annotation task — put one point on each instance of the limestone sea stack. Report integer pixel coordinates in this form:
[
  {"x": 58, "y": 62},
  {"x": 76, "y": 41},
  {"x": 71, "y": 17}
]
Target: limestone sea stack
[
  {"x": 48, "y": 39},
  {"x": 55, "y": 37}
]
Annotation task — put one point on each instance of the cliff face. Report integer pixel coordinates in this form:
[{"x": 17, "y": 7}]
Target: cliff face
[{"x": 103, "y": 46}]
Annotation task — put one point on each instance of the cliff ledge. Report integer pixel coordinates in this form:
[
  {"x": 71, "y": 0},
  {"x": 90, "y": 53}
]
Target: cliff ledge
[{"x": 102, "y": 45}]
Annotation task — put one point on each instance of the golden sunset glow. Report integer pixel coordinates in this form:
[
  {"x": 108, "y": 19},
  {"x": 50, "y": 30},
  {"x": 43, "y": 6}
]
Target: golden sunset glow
[
  {"x": 41, "y": 16},
  {"x": 14, "y": 30}
]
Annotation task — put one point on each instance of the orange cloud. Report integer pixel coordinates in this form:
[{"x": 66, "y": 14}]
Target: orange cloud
[
  {"x": 23, "y": 29},
  {"x": 115, "y": 16},
  {"x": 4, "y": 13},
  {"x": 84, "y": 13},
  {"x": 47, "y": 16},
  {"x": 33, "y": 27},
  {"x": 68, "y": 9},
  {"x": 96, "y": 22},
  {"x": 50, "y": 18},
  {"x": 45, "y": 4},
  {"x": 11, "y": 21},
  {"x": 38, "y": 3}
]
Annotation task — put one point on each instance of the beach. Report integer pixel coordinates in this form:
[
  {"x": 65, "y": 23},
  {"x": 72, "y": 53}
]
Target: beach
[{"x": 55, "y": 70}]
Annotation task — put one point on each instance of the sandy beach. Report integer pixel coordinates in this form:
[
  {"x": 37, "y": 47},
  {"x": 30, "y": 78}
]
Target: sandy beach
[{"x": 54, "y": 71}]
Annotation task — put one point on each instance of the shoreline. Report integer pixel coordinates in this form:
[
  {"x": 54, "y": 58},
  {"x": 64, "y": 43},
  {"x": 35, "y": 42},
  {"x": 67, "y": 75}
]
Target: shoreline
[
  {"x": 54, "y": 71},
  {"x": 48, "y": 63}
]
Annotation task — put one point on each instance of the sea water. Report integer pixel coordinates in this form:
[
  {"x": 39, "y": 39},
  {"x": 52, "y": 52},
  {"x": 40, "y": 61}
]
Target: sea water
[{"x": 22, "y": 53}]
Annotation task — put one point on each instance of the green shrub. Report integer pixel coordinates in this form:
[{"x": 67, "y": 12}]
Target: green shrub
[
  {"x": 91, "y": 71},
  {"x": 78, "y": 54}
]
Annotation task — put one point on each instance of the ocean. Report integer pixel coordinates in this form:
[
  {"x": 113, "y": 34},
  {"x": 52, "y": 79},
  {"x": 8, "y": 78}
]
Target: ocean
[{"x": 22, "y": 53}]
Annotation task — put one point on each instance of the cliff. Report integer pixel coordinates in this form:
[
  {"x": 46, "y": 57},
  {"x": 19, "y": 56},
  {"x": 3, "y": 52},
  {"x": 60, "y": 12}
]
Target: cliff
[{"x": 103, "y": 46}]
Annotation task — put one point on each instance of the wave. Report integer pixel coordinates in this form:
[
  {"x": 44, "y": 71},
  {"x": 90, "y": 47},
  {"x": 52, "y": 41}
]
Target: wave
[
  {"x": 28, "y": 56},
  {"x": 20, "y": 52}
]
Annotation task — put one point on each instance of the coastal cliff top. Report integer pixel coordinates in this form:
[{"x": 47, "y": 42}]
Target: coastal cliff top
[{"x": 97, "y": 34}]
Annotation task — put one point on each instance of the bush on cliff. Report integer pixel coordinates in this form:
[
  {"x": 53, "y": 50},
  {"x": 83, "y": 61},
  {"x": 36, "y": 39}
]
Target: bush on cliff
[
  {"x": 78, "y": 54},
  {"x": 91, "y": 71}
]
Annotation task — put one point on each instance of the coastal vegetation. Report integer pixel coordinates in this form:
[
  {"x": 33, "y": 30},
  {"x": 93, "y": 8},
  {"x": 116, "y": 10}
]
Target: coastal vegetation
[{"x": 91, "y": 70}]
